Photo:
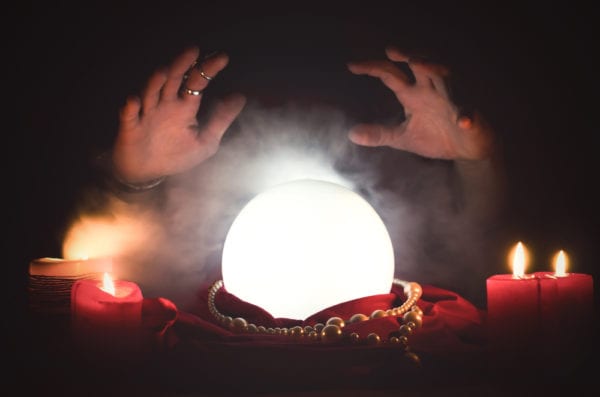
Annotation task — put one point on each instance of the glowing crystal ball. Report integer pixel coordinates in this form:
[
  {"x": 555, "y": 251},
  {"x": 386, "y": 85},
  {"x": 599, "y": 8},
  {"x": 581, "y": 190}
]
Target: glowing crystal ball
[{"x": 306, "y": 245}]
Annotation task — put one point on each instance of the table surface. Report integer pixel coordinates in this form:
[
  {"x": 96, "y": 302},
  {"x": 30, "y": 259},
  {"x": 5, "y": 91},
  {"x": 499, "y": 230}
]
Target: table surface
[{"x": 47, "y": 361}]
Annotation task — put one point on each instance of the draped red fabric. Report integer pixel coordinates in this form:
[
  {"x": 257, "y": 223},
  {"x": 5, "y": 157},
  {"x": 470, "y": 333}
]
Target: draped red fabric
[
  {"x": 451, "y": 324},
  {"x": 199, "y": 353},
  {"x": 189, "y": 350}
]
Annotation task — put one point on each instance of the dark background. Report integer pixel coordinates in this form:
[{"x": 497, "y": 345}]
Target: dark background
[{"x": 530, "y": 67}]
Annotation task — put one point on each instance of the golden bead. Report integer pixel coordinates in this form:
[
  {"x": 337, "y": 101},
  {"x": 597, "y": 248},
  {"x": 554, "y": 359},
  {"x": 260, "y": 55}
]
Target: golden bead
[
  {"x": 378, "y": 314},
  {"x": 417, "y": 309},
  {"x": 336, "y": 321},
  {"x": 238, "y": 325},
  {"x": 252, "y": 328},
  {"x": 296, "y": 331},
  {"x": 357, "y": 318},
  {"x": 412, "y": 358},
  {"x": 413, "y": 317},
  {"x": 413, "y": 289},
  {"x": 227, "y": 321},
  {"x": 405, "y": 330},
  {"x": 284, "y": 332},
  {"x": 308, "y": 329},
  {"x": 400, "y": 342},
  {"x": 373, "y": 339},
  {"x": 354, "y": 337},
  {"x": 319, "y": 327},
  {"x": 262, "y": 329},
  {"x": 313, "y": 335},
  {"x": 331, "y": 333}
]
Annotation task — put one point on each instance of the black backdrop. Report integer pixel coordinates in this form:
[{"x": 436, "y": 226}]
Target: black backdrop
[{"x": 530, "y": 67}]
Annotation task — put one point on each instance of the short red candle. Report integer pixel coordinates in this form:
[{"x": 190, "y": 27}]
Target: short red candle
[
  {"x": 105, "y": 320},
  {"x": 512, "y": 307}
]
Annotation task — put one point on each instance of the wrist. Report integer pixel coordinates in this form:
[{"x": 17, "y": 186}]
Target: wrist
[
  {"x": 115, "y": 181},
  {"x": 138, "y": 187}
]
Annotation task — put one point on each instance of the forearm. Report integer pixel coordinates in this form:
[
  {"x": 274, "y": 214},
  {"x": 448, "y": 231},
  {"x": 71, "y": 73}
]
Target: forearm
[
  {"x": 481, "y": 177},
  {"x": 482, "y": 187}
]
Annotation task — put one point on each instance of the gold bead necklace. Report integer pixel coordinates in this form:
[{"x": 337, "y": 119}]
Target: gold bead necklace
[{"x": 333, "y": 329}]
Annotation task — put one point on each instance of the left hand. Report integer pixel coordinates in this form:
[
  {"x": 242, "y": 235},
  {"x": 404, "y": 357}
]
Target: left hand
[
  {"x": 159, "y": 133},
  {"x": 433, "y": 127}
]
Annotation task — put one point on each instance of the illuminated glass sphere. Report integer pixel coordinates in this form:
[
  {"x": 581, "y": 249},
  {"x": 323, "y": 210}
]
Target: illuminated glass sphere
[{"x": 306, "y": 245}]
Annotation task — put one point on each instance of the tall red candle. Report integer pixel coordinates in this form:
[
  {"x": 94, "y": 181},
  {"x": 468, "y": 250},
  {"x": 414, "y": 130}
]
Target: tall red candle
[
  {"x": 513, "y": 306},
  {"x": 106, "y": 315}
]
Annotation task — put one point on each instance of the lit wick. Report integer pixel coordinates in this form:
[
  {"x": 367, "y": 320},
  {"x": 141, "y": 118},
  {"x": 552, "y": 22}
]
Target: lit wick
[
  {"x": 518, "y": 262},
  {"x": 560, "y": 264},
  {"x": 108, "y": 285}
]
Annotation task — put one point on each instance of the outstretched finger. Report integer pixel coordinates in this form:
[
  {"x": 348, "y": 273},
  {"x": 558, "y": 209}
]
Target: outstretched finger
[
  {"x": 176, "y": 72},
  {"x": 394, "y": 54},
  {"x": 430, "y": 75},
  {"x": 387, "y": 72},
  {"x": 221, "y": 118},
  {"x": 433, "y": 69},
  {"x": 151, "y": 94},
  {"x": 200, "y": 76}
]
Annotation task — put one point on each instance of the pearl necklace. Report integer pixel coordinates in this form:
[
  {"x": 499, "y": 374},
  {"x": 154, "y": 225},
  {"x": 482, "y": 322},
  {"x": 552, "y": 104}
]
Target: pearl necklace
[{"x": 333, "y": 329}]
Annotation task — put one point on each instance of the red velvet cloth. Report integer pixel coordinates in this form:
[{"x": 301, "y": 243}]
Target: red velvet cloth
[
  {"x": 451, "y": 324},
  {"x": 200, "y": 353},
  {"x": 189, "y": 351}
]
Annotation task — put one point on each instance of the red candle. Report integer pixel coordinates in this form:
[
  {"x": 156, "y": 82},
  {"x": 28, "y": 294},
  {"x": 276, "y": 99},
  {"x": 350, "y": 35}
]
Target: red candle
[
  {"x": 106, "y": 315},
  {"x": 513, "y": 305},
  {"x": 566, "y": 302}
]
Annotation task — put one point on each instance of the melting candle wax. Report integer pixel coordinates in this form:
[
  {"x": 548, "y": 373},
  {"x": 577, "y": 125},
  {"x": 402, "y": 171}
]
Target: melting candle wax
[{"x": 106, "y": 314}]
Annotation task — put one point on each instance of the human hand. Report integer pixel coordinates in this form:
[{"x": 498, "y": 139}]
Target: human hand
[
  {"x": 433, "y": 127},
  {"x": 159, "y": 133}
]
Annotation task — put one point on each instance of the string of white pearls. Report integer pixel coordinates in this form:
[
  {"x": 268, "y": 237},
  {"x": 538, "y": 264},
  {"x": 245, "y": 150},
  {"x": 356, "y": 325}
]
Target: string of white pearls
[{"x": 333, "y": 329}]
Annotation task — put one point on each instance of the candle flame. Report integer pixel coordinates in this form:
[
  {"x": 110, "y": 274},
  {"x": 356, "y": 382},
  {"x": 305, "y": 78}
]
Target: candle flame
[
  {"x": 518, "y": 262},
  {"x": 107, "y": 284},
  {"x": 560, "y": 264}
]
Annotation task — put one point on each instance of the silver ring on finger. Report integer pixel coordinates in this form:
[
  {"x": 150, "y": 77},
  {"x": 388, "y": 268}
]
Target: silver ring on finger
[
  {"x": 204, "y": 75},
  {"x": 189, "y": 91}
]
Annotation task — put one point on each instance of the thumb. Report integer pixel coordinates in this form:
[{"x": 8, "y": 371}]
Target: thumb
[
  {"x": 371, "y": 135},
  {"x": 129, "y": 113}
]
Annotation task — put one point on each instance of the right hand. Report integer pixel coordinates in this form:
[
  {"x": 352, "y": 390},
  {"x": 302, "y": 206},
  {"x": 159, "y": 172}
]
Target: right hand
[
  {"x": 159, "y": 134},
  {"x": 433, "y": 127}
]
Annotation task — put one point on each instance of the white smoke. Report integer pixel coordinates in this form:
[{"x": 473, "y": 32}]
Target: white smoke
[{"x": 415, "y": 197}]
